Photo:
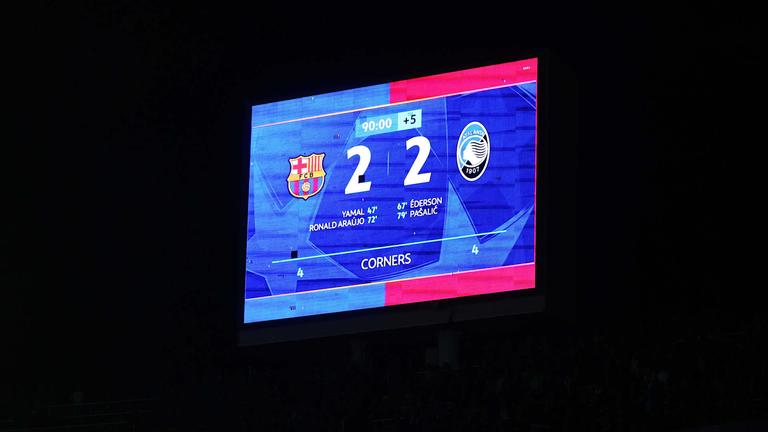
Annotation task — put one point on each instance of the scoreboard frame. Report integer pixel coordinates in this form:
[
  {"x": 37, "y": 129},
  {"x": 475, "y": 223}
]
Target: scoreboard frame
[{"x": 427, "y": 313}]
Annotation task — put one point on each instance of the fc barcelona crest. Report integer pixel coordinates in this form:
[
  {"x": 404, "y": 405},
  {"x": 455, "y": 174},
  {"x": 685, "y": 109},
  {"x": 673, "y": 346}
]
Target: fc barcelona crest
[{"x": 307, "y": 175}]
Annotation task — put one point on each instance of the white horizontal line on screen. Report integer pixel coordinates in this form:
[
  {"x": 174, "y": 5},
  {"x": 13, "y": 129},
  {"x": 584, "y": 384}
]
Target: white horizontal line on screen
[{"x": 389, "y": 246}]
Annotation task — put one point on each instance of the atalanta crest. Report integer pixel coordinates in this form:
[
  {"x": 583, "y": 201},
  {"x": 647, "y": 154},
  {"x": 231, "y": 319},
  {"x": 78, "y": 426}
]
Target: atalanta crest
[
  {"x": 307, "y": 175},
  {"x": 473, "y": 151}
]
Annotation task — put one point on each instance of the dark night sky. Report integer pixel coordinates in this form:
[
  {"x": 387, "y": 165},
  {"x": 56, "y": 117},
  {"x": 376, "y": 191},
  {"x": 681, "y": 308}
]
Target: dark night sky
[{"x": 128, "y": 271}]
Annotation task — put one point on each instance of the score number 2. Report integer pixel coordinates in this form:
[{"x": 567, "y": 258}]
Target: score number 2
[{"x": 414, "y": 176}]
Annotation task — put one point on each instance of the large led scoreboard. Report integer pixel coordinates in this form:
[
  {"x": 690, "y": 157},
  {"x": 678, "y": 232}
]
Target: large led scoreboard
[{"x": 406, "y": 192}]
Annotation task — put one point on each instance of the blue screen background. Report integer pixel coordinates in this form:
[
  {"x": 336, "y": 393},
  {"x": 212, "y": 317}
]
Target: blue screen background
[{"x": 502, "y": 199}]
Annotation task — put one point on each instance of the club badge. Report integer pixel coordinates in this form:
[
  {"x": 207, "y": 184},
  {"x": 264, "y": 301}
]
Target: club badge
[
  {"x": 473, "y": 151},
  {"x": 307, "y": 175}
]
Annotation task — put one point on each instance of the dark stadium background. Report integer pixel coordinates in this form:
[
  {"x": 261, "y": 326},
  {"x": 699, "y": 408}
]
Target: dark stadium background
[{"x": 122, "y": 283}]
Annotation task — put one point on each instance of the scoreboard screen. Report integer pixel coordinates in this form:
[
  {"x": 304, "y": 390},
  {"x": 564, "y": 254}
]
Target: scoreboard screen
[{"x": 416, "y": 190}]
